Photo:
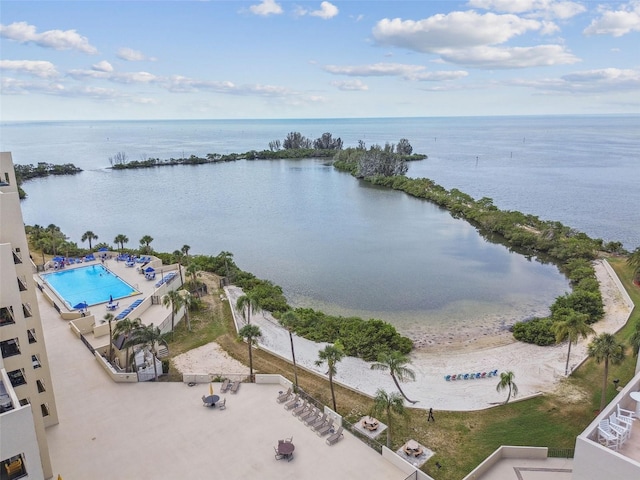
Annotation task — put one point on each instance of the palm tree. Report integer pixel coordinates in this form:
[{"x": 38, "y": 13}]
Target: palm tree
[
  {"x": 185, "y": 249},
  {"x": 226, "y": 257},
  {"x": 146, "y": 240},
  {"x": 148, "y": 337},
  {"x": 251, "y": 301},
  {"x": 606, "y": 347},
  {"x": 178, "y": 256},
  {"x": 88, "y": 235},
  {"x": 395, "y": 362},
  {"x": 634, "y": 262},
  {"x": 388, "y": 404},
  {"x": 108, "y": 317},
  {"x": 506, "y": 381},
  {"x": 186, "y": 301},
  {"x": 570, "y": 325},
  {"x": 172, "y": 299},
  {"x": 250, "y": 333},
  {"x": 193, "y": 270},
  {"x": 331, "y": 354},
  {"x": 121, "y": 239},
  {"x": 126, "y": 327},
  {"x": 289, "y": 320},
  {"x": 634, "y": 340}
]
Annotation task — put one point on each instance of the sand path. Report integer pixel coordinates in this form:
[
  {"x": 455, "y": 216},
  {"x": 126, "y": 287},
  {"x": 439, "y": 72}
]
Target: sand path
[{"x": 537, "y": 369}]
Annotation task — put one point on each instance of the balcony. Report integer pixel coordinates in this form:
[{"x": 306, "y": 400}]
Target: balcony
[
  {"x": 26, "y": 309},
  {"x": 9, "y": 348},
  {"x": 16, "y": 377},
  {"x": 5, "y": 399},
  {"x": 6, "y": 316},
  {"x": 22, "y": 284},
  {"x": 35, "y": 361},
  {"x": 17, "y": 258}
]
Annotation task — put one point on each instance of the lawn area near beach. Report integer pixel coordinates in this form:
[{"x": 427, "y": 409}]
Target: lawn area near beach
[{"x": 460, "y": 440}]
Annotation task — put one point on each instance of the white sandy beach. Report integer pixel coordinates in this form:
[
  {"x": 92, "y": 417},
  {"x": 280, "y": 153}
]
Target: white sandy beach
[{"x": 537, "y": 369}]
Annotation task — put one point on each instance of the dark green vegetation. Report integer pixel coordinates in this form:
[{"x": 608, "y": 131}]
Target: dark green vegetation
[{"x": 27, "y": 172}]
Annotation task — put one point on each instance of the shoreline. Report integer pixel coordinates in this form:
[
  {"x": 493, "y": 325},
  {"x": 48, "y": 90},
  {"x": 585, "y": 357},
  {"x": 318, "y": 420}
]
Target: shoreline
[{"x": 537, "y": 369}]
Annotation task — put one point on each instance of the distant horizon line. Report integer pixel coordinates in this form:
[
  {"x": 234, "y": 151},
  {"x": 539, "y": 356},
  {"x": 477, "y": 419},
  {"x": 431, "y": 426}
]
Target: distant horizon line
[{"x": 2, "y": 122}]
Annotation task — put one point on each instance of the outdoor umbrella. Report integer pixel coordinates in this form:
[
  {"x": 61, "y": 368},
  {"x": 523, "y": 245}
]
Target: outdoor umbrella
[
  {"x": 149, "y": 269},
  {"x": 103, "y": 249},
  {"x": 81, "y": 305},
  {"x": 58, "y": 259}
]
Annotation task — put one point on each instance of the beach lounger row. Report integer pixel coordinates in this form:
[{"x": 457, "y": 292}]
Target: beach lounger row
[
  {"x": 471, "y": 376},
  {"x": 166, "y": 279},
  {"x": 128, "y": 310}
]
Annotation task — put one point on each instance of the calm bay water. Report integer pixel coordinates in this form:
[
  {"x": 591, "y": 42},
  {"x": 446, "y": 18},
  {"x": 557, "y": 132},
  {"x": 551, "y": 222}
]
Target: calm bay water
[{"x": 336, "y": 243}]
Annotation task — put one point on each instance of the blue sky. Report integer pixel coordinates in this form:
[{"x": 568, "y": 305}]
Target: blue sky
[{"x": 283, "y": 59}]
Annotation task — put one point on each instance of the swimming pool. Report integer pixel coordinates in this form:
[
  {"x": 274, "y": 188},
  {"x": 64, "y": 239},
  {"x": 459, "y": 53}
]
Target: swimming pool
[{"x": 93, "y": 284}]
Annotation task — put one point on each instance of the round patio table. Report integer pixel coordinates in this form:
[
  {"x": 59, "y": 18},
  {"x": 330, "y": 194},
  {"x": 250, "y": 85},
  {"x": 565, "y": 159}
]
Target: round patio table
[
  {"x": 212, "y": 399},
  {"x": 636, "y": 396},
  {"x": 286, "y": 448}
]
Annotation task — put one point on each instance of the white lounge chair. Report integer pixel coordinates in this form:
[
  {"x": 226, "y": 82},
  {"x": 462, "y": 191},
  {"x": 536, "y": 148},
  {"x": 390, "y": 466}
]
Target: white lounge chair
[{"x": 334, "y": 438}]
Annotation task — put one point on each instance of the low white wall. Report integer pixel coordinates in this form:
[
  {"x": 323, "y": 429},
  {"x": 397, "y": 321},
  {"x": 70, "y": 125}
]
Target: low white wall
[
  {"x": 507, "y": 452},
  {"x": 402, "y": 464},
  {"x": 119, "y": 377}
]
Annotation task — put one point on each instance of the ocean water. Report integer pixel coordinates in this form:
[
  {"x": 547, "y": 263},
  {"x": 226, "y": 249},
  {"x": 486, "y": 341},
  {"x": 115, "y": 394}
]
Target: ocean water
[{"x": 333, "y": 242}]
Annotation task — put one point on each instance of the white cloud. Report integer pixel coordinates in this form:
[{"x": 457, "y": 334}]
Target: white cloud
[
  {"x": 350, "y": 85},
  {"x": 327, "y": 11},
  {"x": 515, "y": 57},
  {"x": 102, "y": 66},
  {"x": 554, "y": 8},
  {"x": 38, "y": 68},
  {"x": 132, "y": 55},
  {"x": 408, "y": 72},
  {"x": 266, "y": 8},
  {"x": 22, "y": 32},
  {"x": 616, "y": 22},
  {"x": 117, "y": 77},
  {"x": 453, "y": 30},
  {"x": 605, "y": 80}
]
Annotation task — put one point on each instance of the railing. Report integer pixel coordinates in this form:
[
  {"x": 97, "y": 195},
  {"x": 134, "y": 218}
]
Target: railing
[
  {"x": 22, "y": 284},
  {"x": 17, "y": 258},
  {"x": 26, "y": 309},
  {"x": 87, "y": 344},
  {"x": 560, "y": 452},
  {"x": 413, "y": 476}
]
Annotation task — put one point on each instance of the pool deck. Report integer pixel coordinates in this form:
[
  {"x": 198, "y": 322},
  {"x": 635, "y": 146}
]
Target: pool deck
[
  {"x": 161, "y": 430},
  {"x": 155, "y": 314}
]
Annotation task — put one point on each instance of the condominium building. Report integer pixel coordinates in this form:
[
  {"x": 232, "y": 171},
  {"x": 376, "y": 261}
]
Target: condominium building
[{"x": 27, "y": 401}]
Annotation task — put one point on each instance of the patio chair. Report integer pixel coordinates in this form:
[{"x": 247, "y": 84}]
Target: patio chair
[
  {"x": 447, "y": 378},
  {"x": 279, "y": 456},
  {"x": 311, "y": 420},
  {"x": 284, "y": 396},
  {"x": 308, "y": 415},
  {"x": 322, "y": 431},
  {"x": 13, "y": 467},
  {"x": 321, "y": 422},
  {"x": 225, "y": 385},
  {"x": 301, "y": 409},
  {"x": 291, "y": 403},
  {"x": 223, "y": 404},
  {"x": 334, "y": 438},
  {"x": 625, "y": 413},
  {"x": 607, "y": 439},
  {"x": 235, "y": 387}
]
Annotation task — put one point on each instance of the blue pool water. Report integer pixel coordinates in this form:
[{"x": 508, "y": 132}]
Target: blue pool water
[{"x": 93, "y": 284}]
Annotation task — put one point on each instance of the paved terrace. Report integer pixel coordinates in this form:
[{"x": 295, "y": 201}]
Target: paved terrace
[{"x": 161, "y": 430}]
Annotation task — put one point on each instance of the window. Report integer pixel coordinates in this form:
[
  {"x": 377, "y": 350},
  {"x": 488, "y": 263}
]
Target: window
[
  {"x": 31, "y": 333},
  {"x": 26, "y": 309},
  {"x": 35, "y": 361},
  {"x": 22, "y": 284},
  {"x": 10, "y": 348},
  {"x": 17, "y": 377},
  {"x": 24, "y": 401},
  {"x": 6, "y": 316},
  {"x": 14, "y": 467},
  {"x": 45, "y": 409},
  {"x": 40, "y": 385},
  {"x": 17, "y": 258}
]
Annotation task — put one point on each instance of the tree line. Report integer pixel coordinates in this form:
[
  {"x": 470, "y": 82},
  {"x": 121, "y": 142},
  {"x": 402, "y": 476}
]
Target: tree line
[{"x": 42, "y": 169}]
